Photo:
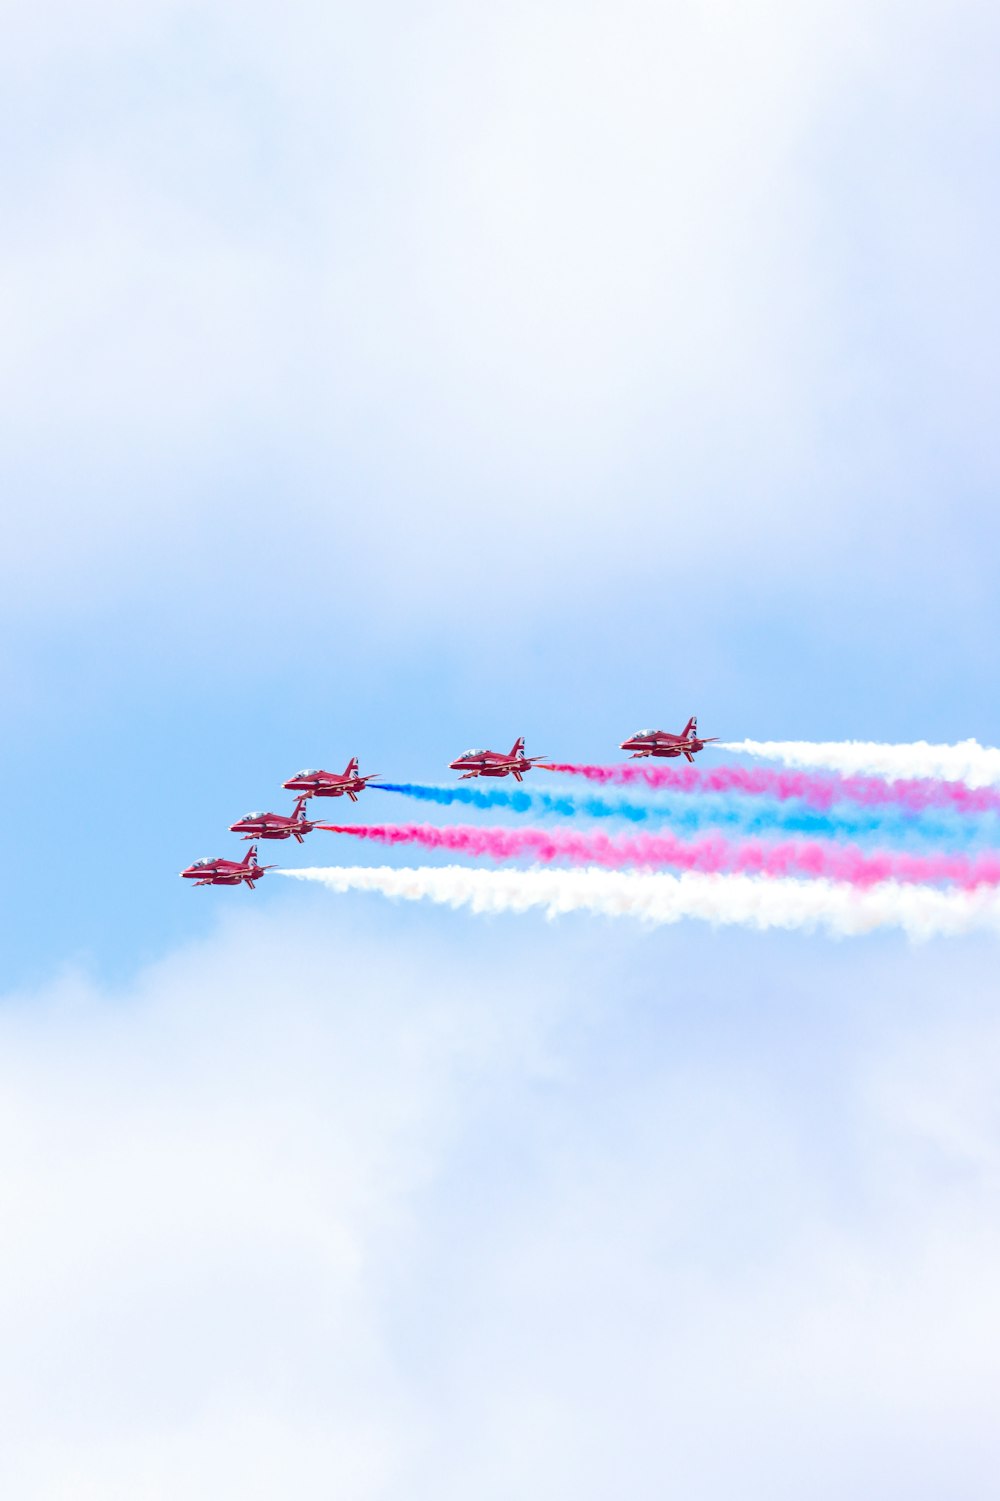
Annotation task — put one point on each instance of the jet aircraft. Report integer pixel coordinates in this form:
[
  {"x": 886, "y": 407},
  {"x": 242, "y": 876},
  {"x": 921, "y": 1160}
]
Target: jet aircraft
[
  {"x": 486, "y": 763},
  {"x": 275, "y": 825},
  {"x": 345, "y": 783},
  {"x": 219, "y": 872},
  {"x": 659, "y": 743}
]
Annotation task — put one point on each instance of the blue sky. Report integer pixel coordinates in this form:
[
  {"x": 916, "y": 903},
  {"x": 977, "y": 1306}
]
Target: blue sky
[{"x": 388, "y": 381}]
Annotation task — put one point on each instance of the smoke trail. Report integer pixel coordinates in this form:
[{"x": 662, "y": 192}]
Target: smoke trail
[
  {"x": 749, "y": 901},
  {"x": 739, "y": 814},
  {"x": 712, "y": 855},
  {"x": 562, "y": 805},
  {"x": 976, "y": 765},
  {"x": 475, "y": 797},
  {"x": 815, "y": 789}
]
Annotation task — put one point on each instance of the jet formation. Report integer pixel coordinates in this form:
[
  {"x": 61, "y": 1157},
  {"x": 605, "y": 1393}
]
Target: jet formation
[{"x": 215, "y": 871}]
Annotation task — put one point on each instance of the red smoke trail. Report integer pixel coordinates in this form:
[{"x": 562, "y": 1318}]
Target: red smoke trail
[
  {"x": 714, "y": 854},
  {"x": 816, "y": 789}
]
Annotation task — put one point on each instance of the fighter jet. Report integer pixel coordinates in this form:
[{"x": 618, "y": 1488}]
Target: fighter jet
[
  {"x": 345, "y": 783},
  {"x": 660, "y": 743},
  {"x": 275, "y": 825},
  {"x": 219, "y": 872},
  {"x": 486, "y": 763}
]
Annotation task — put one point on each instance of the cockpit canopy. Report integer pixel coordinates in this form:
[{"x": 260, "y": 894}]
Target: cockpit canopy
[
  {"x": 207, "y": 860},
  {"x": 472, "y": 754},
  {"x": 307, "y": 773},
  {"x": 645, "y": 734},
  {"x": 252, "y": 817}
]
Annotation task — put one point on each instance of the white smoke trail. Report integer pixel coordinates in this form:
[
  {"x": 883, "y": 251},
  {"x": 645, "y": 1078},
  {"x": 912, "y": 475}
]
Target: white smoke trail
[
  {"x": 976, "y": 765},
  {"x": 749, "y": 901}
]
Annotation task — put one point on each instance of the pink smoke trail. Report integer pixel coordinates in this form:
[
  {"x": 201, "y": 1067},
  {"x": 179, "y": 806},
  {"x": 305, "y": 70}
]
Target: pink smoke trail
[
  {"x": 714, "y": 854},
  {"x": 816, "y": 789}
]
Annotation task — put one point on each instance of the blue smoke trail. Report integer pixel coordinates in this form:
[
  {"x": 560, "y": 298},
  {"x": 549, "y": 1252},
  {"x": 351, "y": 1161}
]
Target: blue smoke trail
[{"x": 746, "y": 815}]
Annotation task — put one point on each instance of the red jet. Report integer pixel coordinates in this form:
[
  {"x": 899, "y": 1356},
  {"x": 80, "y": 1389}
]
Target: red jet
[
  {"x": 275, "y": 825},
  {"x": 660, "y": 743},
  {"x": 331, "y": 783},
  {"x": 218, "y": 872},
  {"x": 485, "y": 763}
]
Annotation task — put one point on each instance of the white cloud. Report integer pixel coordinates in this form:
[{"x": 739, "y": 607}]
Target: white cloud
[
  {"x": 553, "y": 268},
  {"x": 205, "y": 1183},
  {"x": 302, "y": 1211}
]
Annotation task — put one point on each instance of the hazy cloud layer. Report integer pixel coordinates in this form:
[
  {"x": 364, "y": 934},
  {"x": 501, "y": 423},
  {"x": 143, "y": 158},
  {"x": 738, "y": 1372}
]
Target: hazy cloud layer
[
  {"x": 545, "y": 281},
  {"x": 301, "y": 1213}
]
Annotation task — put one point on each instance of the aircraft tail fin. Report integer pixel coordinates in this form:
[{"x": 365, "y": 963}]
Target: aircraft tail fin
[
  {"x": 691, "y": 728},
  {"x": 250, "y": 858},
  {"x": 300, "y": 803},
  {"x": 517, "y": 749},
  {"x": 352, "y": 767}
]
